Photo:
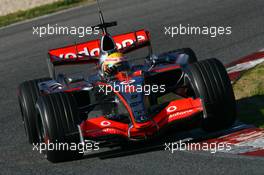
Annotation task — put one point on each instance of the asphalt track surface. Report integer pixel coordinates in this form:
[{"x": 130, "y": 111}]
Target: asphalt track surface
[{"x": 23, "y": 57}]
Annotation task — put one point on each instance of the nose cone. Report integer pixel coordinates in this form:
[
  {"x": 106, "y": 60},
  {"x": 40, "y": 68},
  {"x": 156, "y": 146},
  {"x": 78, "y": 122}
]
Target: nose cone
[{"x": 133, "y": 92}]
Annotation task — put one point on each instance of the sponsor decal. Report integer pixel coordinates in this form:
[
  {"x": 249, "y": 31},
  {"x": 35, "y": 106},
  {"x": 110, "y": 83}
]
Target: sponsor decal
[
  {"x": 96, "y": 51},
  {"x": 171, "y": 109},
  {"x": 105, "y": 123},
  {"x": 180, "y": 113},
  {"x": 92, "y": 48},
  {"x": 127, "y": 82}
]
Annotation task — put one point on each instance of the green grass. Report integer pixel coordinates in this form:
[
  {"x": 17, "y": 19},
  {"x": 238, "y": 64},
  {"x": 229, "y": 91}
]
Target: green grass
[
  {"x": 249, "y": 92},
  {"x": 39, "y": 11}
]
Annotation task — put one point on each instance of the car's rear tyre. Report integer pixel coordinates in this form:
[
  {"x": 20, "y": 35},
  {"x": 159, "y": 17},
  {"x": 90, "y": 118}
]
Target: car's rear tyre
[
  {"x": 211, "y": 83},
  {"x": 28, "y": 93},
  {"x": 58, "y": 120}
]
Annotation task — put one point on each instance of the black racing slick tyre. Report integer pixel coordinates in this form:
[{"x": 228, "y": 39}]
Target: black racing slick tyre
[
  {"x": 211, "y": 83},
  {"x": 58, "y": 120},
  {"x": 28, "y": 93}
]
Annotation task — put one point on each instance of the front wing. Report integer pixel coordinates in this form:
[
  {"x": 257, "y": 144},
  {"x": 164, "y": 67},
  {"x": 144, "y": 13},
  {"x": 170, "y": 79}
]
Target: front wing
[{"x": 99, "y": 128}]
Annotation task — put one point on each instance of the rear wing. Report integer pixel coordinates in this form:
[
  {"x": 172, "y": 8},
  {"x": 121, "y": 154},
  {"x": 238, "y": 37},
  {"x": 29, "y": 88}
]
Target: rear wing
[{"x": 88, "y": 52}]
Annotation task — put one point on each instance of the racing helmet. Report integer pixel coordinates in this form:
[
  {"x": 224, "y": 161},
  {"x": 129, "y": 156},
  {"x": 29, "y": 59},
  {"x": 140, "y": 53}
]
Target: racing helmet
[{"x": 112, "y": 63}]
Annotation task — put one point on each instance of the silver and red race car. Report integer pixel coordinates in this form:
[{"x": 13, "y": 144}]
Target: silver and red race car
[{"x": 137, "y": 102}]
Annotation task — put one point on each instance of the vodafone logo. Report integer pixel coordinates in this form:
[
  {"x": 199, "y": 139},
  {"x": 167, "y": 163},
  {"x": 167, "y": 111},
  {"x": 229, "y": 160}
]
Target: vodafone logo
[
  {"x": 171, "y": 109},
  {"x": 94, "y": 51},
  {"x": 127, "y": 82},
  {"x": 128, "y": 42},
  {"x": 105, "y": 123}
]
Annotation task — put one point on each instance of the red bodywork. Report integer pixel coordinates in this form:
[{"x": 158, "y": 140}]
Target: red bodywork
[
  {"x": 99, "y": 127},
  {"x": 176, "y": 110}
]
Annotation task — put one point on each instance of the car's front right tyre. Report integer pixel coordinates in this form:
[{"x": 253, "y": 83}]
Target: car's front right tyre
[{"x": 210, "y": 82}]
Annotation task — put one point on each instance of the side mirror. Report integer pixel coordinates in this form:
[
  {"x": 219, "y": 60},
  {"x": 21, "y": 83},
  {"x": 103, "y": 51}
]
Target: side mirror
[{"x": 75, "y": 79}]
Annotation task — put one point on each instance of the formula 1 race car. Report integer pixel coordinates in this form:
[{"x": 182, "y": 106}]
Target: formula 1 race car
[{"x": 123, "y": 101}]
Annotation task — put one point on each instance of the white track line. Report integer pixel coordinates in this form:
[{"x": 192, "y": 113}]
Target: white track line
[{"x": 245, "y": 66}]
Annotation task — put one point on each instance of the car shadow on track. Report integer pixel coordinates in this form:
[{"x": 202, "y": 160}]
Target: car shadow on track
[
  {"x": 251, "y": 110},
  {"x": 187, "y": 136}
]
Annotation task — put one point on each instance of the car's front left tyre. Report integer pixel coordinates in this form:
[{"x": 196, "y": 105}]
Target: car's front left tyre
[
  {"x": 58, "y": 124},
  {"x": 28, "y": 93}
]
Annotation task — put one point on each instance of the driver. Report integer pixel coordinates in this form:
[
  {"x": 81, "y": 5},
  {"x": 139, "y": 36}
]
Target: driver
[{"x": 112, "y": 63}]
